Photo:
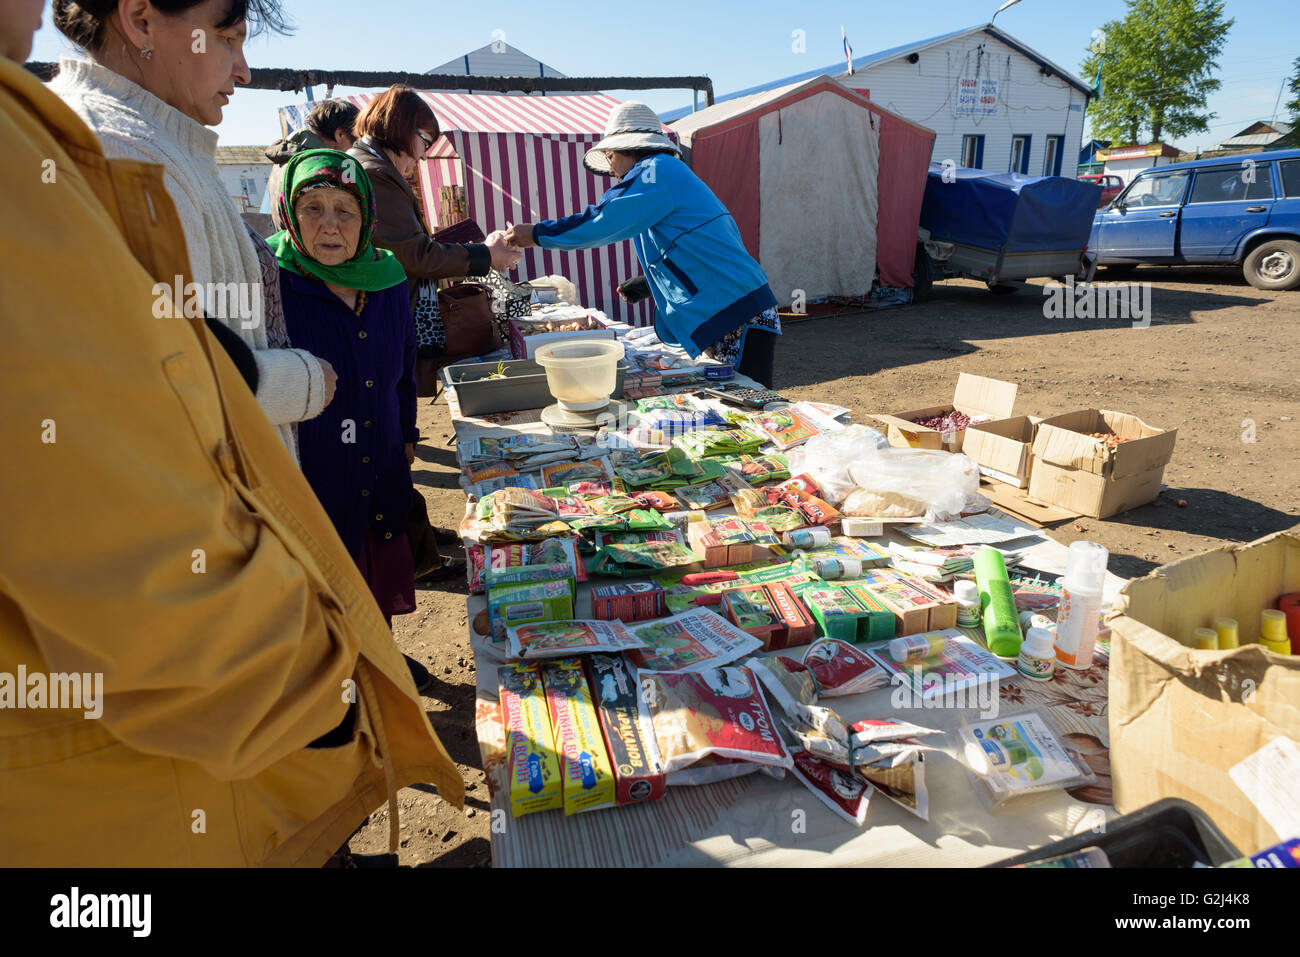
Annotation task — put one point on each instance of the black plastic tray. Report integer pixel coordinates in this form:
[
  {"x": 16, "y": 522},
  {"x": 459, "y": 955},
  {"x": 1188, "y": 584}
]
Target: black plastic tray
[{"x": 1168, "y": 833}]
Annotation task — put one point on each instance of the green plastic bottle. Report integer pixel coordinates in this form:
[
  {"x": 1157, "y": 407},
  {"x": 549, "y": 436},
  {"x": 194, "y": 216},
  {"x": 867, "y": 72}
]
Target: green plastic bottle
[{"x": 1001, "y": 625}]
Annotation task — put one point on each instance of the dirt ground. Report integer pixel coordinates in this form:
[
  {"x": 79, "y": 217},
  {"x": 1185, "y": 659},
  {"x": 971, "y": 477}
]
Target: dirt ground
[{"x": 1219, "y": 362}]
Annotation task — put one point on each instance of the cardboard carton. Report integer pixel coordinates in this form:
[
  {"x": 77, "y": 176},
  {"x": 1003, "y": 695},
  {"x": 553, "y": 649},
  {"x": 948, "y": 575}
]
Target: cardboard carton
[
  {"x": 625, "y": 723},
  {"x": 730, "y": 541},
  {"x": 534, "y": 767},
  {"x": 525, "y": 346},
  {"x": 1003, "y": 449},
  {"x": 975, "y": 396},
  {"x": 917, "y": 607},
  {"x": 1218, "y": 728},
  {"x": 585, "y": 773},
  {"x": 1075, "y": 471},
  {"x": 628, "y": 601}
]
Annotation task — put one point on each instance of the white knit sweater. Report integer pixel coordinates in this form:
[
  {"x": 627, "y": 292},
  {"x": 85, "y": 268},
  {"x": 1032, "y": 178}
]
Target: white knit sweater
[{"x": 134, "y": 124}]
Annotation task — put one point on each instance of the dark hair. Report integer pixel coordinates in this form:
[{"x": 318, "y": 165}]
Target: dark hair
[
  {"x": 392, "y": 118},
  {"x": 641, "y": 154},
  {"x": 84, "y": 21},
  {"x": 330, "y": 117}
]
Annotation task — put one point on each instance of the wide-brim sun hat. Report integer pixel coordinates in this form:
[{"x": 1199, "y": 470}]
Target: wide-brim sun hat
[{"x": 631, "y": 126}]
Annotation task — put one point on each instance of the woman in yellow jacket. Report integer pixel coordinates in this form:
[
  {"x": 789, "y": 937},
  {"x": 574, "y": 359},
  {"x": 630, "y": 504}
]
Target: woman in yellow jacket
[{"x": 237, "y": 699}]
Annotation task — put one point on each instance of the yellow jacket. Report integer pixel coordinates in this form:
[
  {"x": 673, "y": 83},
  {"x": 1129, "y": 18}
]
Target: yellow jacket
[{"x": 155, "y": 531}]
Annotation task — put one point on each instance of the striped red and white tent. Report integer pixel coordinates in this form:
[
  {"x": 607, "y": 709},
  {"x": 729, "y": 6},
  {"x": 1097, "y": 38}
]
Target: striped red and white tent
[{"x": 519, "y": 160}]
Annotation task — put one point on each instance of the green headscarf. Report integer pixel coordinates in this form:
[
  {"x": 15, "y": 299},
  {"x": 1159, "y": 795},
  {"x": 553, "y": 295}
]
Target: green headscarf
[{"x": 370, "y": 269}]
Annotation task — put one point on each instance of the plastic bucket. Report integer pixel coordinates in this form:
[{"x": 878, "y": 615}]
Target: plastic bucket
[{"x": 581, "y": 374}]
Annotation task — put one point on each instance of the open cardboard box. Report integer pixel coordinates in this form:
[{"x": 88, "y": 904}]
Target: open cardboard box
[
  {"x": 1183, "y": 721},
  {"x": 1002, "y": 449},
  {"x": 525, "y": 346},
  {"x": 975, "y": 396},
  {"x": 1075, "y": 471}
]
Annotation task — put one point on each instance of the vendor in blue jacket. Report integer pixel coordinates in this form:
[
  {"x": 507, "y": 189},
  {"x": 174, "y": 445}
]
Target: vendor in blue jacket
[{"x": 709, "y": 293}]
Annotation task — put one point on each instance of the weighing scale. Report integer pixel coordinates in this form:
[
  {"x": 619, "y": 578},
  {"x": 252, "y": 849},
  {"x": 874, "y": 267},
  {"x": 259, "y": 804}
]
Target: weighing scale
[{"x": 568, "y": 417}]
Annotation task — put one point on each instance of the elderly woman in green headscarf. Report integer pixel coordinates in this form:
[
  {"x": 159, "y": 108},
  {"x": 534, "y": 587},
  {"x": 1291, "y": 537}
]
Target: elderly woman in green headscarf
[{"x": 346, "y": 301}]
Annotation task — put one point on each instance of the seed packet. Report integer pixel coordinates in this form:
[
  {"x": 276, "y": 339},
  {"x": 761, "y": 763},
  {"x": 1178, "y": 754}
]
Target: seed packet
[
  {"x": 486, "y": 487},
  {"x": 812, "y": 509},
  {"x": 639, "y": 560},
  {"x": 787, "y": 427},
  {"x": 649, "y": 471},
  {"x": 713, "y": 442},
  {"x": 841, "y": 669},
  {"x": 559, "y": 639},
  {"x": 514, "y": 447},
  {"x": 712, "y": 494},
  {"x": 870, "y": 730},
  {"x": 901, "y": 778},
  {"x": 692, "y": 641},
  {"x": 564, "y": 473},
  {"x": 758, "y": 469},
  {"x": 842, "y": 792},
  {"x": 601, "y": 539},
  {"x": 787, "y": 682},
  {"x": 490, "y": 470},
  {"x": 588, "y": 490},
  {"x": 718, "y": 711},
  {"x": 516, "y": 507},
  {"x": 658, "y": 500}
]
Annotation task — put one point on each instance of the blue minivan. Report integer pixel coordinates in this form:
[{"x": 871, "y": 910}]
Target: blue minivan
[{"x": 1237, "y": 210}]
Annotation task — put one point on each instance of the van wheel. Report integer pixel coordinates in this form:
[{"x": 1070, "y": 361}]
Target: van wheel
[{"x": 1274, "y": 264}]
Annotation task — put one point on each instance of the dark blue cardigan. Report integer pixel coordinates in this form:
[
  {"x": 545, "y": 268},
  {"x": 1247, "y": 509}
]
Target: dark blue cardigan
[{"x": 353, "y": 453}]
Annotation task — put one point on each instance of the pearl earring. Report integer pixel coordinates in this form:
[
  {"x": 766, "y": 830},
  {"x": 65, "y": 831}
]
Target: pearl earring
[{"x": 146, "y": 54}]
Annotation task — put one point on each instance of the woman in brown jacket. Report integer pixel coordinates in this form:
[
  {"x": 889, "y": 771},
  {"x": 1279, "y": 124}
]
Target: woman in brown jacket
[{"x": 395, "y": 130}]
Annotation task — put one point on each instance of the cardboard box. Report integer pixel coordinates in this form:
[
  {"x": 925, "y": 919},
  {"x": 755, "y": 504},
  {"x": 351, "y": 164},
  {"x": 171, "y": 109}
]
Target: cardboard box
[
  {"x": 585, "y": 773},
  {"x": 917, "y": 607},
  {"x": 842, "y": 614},
  {"x": 534, "y": 768},
  {"x": 625, "y": 724},
  {"x": 770, "y": 613},
  {"x": 797, "y": 626},
  {"x": 525, "y": 347},
  {"x": 1181, "y": 720},
  {"x": 731, "y": 541},
  {"x": 1003, "y": 449},
  {"x": 975, "y": 396},
  {"x": 532, "y": 601},
  {"x": 628, "y": 601},
  {"x": 1075, "y": 471}
]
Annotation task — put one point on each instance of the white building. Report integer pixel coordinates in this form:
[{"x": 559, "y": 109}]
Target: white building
[
  {"x": 245, "y": 171},
  {"x": 994, "y": 103},
  {"x": 497, "y": 59}
]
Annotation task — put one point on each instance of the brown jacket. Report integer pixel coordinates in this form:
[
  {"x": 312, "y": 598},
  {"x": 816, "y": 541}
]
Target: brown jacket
[
  {"x": 399, "y": 227},
  {"x": 158, "y": 534}
]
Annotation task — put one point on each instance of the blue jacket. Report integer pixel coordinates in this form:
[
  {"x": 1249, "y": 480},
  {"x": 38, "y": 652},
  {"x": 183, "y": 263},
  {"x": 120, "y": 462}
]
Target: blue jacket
[{"x": 705, "y": 284}]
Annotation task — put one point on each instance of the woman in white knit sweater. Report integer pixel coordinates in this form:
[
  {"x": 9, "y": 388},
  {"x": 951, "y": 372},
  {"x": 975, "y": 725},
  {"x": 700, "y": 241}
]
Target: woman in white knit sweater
[{"x": 159, "y": 75}]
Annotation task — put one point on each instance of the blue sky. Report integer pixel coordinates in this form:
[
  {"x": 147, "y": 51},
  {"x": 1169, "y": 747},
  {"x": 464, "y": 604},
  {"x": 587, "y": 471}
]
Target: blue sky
[{"x": 738, "y": 44}]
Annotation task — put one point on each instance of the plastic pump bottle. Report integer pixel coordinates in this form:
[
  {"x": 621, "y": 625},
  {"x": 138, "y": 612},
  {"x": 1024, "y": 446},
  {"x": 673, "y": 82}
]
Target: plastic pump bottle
[{"x": 1076, "y": 628}]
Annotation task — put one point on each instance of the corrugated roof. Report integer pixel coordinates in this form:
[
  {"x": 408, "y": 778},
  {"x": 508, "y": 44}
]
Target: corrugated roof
[
  {"x": 242, "y": 155},
  {"x": 863, "y": 62},
  {"x": 497, "y": 59},
  {"x": 1256, "y": 139}
]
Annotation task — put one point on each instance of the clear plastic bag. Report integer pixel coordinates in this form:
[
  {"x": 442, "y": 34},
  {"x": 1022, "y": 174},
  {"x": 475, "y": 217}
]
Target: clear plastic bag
[
  {"x": 828, "y": 457},
  {"x": 901, "y": 483}
]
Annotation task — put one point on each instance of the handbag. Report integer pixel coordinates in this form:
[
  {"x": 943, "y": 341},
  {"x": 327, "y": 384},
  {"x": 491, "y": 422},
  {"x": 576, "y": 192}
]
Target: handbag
[
  {"x": 430, "y": 334},
  {"x": 467, "y": 322},
  {"x": 510, "y": 300}
]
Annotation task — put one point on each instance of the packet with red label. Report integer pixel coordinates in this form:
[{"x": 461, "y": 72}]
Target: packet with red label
[
  {"x": 841, "y": 669},
  {"x": 842, "y": 792}
]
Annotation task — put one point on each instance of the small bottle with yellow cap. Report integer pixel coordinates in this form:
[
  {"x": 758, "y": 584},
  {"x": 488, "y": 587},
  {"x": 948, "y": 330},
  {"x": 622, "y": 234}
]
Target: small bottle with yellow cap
[{"x": 1272, "y": 631}]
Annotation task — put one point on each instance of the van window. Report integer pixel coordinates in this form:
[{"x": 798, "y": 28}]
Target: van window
[
  {"x": 1233, "y": 184},
  {"x": 1157, "y": 189},
  {"x": 1290, "y": 170}
]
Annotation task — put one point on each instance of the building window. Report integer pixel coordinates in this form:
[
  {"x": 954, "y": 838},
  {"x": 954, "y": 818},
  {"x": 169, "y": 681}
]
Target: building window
[
  {"x": 972, "y": 152},
  {"x": 1020, "y": 154},
  {"x": 1052, "y": 158}
]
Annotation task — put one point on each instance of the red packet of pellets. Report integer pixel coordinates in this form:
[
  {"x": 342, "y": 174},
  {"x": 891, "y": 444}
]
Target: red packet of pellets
[
  {"x": 842, "y": 792},
  {"x": 841, "y": 669}
]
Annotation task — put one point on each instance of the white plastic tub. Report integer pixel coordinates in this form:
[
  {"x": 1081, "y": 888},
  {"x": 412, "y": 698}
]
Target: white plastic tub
[{"x": 581, "y": 374}]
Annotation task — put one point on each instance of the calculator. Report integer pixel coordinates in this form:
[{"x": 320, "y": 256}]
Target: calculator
[{"x": 744, "y": 396}]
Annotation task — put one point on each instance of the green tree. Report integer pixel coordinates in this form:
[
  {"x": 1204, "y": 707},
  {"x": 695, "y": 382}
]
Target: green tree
[
  {"x": 1157, "y": 67},
  {"x": 1293, "y": 107}
]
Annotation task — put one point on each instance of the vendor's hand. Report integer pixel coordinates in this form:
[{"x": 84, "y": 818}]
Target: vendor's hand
[
  {"x": 410, "y": 453},
  {"x": 521, "y": 236},
  {"x": 504, "y": 256},
  {"x": 331, "y": 380}
]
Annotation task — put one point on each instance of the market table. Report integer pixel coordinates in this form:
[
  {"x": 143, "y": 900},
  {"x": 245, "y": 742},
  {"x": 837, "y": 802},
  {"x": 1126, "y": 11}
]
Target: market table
[{"x": 757, "y": 820}]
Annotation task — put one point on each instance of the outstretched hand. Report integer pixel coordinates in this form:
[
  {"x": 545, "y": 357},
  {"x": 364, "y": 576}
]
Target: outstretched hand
[
  {"x": 521, "y": 236},
  {"x": 504, "y": 254}
]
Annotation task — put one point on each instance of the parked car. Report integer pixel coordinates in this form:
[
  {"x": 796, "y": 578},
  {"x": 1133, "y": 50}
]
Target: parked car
[
  {"x": 1238, "y": 210},
  {"x": 1111, "y": 186}
]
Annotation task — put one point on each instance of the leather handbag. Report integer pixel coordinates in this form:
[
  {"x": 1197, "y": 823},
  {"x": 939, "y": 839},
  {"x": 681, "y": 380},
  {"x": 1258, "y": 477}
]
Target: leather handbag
[{"x": 467, "y": 322}]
